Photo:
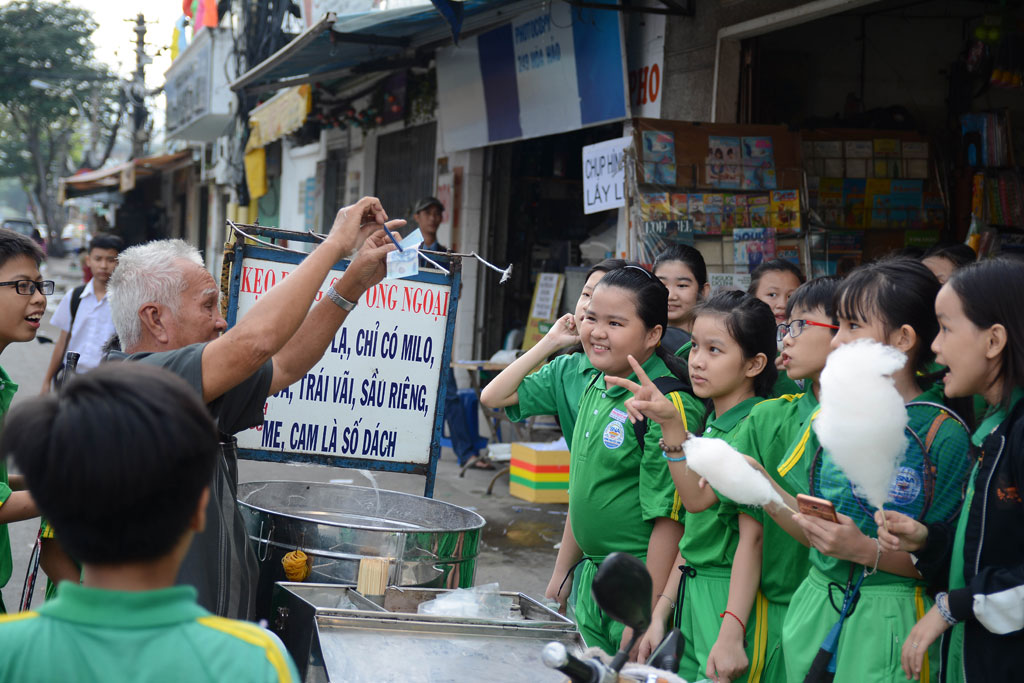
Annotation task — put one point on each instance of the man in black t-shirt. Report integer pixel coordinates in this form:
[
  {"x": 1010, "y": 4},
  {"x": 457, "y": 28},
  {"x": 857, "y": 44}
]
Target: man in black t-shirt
[{"x": 165, "y": 308}]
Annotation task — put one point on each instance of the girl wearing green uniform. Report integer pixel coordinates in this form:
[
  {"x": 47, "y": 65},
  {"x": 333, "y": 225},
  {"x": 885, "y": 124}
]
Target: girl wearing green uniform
[
  {"x": 777, "y": 435},
  {"x": 682, "y": 270},
  {"x": 891, "y": 302},
  {"x": 554, "y": 389},
  {"x": 733, "y": 342},
  {"x": 621, "y": 496},
  {"x": 979, "y": 559}
]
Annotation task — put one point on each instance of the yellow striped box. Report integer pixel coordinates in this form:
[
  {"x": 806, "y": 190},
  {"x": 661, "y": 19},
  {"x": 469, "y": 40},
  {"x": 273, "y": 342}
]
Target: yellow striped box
[{"x": 539, "y": 476}]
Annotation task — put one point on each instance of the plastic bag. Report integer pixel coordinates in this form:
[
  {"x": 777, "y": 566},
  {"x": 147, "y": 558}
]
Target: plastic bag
[{"x": 478, "y": 602}]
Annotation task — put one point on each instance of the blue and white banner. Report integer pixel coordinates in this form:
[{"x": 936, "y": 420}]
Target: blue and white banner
[{"x": 544, "y": 72}]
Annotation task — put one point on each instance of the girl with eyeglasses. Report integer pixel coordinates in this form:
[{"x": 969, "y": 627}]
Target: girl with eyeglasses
[{"x": 891, "y": 302}]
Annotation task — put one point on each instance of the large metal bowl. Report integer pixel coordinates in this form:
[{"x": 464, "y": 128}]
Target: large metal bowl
[{"x": 431, "y": 543}]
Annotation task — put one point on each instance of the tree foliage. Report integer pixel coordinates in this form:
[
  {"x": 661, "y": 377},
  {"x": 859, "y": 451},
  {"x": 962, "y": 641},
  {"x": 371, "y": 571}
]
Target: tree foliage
[{"x": 42, "y": 134}]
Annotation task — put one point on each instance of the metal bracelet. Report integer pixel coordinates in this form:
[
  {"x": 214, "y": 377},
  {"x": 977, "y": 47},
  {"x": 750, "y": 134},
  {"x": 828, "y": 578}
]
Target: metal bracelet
[
  {"x": 942, "y": 603},
  {"x": 878, "y": 557},
  {"x": 342, "y": 303}
]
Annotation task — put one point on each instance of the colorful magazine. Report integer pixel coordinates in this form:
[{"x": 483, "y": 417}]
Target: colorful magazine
[
  {"x": 785, "y": 211},
  {"x": 752, "y": 247},
  {"x": 722, "y": 168},
  {"x": 757, "y": 207},
  {"x": 758, "y": 163}
]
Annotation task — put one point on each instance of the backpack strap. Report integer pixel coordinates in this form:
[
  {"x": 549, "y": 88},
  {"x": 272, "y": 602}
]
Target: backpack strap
[
  {"x": 76, "y": 301},
  {"x": 933, "y": 431},
  {"x": 667, "y": 385}
]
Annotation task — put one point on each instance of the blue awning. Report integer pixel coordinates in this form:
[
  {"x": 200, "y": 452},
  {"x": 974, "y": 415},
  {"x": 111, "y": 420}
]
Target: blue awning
[{"x": 338, "y": 46}]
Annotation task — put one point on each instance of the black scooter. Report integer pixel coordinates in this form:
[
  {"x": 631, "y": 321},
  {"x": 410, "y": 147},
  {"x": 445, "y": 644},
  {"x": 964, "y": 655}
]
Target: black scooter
[{"x": 622, "y": 588}]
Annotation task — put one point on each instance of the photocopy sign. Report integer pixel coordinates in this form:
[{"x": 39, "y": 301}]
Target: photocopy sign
[
  {"x": 604, "y": 175},
  {"x": 373, "y": 395}
]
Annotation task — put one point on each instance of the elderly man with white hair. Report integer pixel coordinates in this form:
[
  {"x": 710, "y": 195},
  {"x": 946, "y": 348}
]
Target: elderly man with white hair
[{"x": 165, "y": 309}]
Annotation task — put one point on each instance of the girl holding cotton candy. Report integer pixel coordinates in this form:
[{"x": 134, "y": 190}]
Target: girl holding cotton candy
[
  {"x": 979, "y": 556},
  {"x": 730, "y": 365},
  {"x": 867, "y": 460}
]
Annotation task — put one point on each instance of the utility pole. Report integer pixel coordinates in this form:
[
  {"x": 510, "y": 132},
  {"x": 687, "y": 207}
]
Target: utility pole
[{"x": 138, "y": 91}]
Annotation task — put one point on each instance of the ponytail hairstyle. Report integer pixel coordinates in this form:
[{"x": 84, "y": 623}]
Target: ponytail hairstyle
[
  {"x": 689, "y": 257},
  {"x": 651, "y": 298},
  {"x": 988, "y": 291},
  {"x": 899, "y": 291},
  {"x": 778, "y": 265},
  {"x": 751, "y": 323}
]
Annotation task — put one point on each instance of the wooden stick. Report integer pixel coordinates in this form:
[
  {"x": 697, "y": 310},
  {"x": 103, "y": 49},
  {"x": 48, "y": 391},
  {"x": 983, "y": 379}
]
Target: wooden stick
[
  {"x": 885, "y": 520},
  {"x": 373, "y": 576}
]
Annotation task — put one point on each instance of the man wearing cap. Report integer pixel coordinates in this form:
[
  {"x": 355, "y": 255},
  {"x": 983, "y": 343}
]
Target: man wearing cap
[{"x": 428, "y": 213}]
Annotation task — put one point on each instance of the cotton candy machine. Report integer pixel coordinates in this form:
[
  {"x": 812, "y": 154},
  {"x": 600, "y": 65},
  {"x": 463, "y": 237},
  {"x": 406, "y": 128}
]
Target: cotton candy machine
[{"x": 430, "y": 543}]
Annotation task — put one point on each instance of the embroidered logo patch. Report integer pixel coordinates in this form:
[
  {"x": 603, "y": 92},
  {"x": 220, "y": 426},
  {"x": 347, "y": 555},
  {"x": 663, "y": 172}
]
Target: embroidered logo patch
[
  {"x": 619, "y": 415},
  {"x": 906, "y": 486},
  {"x": 614, "y": 434}
]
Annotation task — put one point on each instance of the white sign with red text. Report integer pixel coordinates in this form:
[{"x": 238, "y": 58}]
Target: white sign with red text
[
  {"x": 645, "y": 62},
  {"x": 373, "y": 395}
]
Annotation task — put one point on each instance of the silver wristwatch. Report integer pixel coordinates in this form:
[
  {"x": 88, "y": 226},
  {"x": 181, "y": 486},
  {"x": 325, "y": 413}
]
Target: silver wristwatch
[{"x": 343, "y": 303}]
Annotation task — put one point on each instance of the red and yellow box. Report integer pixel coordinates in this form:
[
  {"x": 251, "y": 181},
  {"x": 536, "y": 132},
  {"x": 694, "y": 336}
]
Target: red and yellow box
[{"x": 539, "y": 476}]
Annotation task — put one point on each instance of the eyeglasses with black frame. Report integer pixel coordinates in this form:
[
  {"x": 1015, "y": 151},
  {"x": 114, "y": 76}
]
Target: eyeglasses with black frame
[
  {"x": 29, "y": 287},
  {"x": 795, "y": 327}
]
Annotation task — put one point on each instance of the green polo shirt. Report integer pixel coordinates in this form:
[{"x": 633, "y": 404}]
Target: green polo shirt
[
  {"x": 554, "y": 389},
  {"x": 7, "y": 391},
  {"x": 90, "y": 634},
  {"x": 710, "y": 539},
  {"x": 909, "y": 493},
  {"x": 618, "y": 486},
  {"x": 778, "y": 434}
]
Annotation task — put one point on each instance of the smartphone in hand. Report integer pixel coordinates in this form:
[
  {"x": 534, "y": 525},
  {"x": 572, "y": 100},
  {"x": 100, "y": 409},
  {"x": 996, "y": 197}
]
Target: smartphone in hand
[{"x": 816, "y": 507}]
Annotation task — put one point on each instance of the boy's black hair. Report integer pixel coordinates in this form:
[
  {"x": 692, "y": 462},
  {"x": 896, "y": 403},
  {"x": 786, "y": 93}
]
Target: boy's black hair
[
  {"x": 605, "y": 266},
  {"x": 13, "y": 244},
  {"x": 989, "y": 291},
  {"x": 751, "y": 323},
  {"x": 117, "y": 461},
  {"x": 813, "y": 294},
  {"x": 688, "y": 256},
  {"x": 957, "y": 253},
  {"x": 776, "y": 265},
  {"x": 899, "y": 291},
  {"x": 651, "y": 298},
  {"x": 106, "y": 241}
]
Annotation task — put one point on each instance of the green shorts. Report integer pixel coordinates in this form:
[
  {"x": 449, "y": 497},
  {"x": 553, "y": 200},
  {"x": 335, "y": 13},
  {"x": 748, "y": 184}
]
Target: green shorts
[
  {"x": 774, "y": 662},
  {"x": 597, "y": 628},
  {"x": 706, "y": 597},
  {"x": 871, "y": 642}
]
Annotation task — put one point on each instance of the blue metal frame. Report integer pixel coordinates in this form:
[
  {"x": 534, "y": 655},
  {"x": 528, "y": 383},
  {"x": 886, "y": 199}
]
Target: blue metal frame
[{"x": 454, "y": 280}]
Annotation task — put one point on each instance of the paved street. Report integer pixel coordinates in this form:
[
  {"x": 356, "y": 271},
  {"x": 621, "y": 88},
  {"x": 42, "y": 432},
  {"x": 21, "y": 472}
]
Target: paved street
[{"x": 518, "y": 542}]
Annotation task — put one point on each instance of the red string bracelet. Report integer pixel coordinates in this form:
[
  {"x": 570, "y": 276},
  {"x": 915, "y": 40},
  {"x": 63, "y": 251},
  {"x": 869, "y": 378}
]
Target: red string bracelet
[{"x": 742, "y": 625}]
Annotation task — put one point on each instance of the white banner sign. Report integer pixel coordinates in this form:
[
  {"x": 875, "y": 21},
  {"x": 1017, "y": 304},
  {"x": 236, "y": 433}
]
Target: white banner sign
[
  {"x": 604, "y": 175},
  {"x": 374, "y": 393}
]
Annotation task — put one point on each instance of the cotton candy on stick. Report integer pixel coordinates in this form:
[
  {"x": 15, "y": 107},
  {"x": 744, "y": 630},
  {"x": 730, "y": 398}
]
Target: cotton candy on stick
[
  {"x": 729, "y": 473},
  {"x": 862, "y": 418}
]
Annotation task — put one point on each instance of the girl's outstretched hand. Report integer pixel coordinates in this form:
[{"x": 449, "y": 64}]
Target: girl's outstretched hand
[
  {"x": 647, "y": 401},
  {"x": 904, "y": 533},
  {"x": 920, "y": 638}
]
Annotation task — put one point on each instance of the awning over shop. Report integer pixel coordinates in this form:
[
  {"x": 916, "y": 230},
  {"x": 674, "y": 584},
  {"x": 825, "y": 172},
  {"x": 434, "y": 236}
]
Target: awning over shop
[
  {"x": 337, "y": 46},
  {"x": 121, "y": 177}
]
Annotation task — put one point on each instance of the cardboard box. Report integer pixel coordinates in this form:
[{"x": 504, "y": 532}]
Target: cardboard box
[{"x": 539, "y": 476}]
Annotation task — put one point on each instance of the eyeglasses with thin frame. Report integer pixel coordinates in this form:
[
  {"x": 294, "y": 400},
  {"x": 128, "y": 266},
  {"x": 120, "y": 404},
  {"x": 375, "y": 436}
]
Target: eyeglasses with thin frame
[
  {"x": 29, "y": 287},
  {"x": 795, "y": 327}
]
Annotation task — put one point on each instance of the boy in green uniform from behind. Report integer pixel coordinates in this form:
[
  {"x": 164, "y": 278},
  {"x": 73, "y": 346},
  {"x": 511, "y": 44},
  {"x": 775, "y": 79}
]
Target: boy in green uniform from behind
[
  {"x": 120, "y": 463},
  {"x": 22, "y": 305}
]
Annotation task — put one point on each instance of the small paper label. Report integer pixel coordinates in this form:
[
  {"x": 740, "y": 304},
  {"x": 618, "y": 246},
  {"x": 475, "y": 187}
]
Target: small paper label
[{"x": 403, "y": 263}]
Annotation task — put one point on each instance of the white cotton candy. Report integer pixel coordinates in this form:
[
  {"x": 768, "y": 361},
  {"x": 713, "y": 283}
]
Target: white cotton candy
[
  {"x": 728, "y": 472},
  {"x": 862, "y": 418}
]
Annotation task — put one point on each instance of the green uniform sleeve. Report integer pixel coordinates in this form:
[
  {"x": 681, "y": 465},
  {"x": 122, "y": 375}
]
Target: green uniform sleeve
[
  {"x": 538, "y": 390},
  {"x": 657, "y": 490},
  {"x": 5, "y": 492}
]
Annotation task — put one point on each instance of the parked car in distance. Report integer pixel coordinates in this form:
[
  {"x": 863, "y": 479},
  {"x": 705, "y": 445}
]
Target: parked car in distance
[{"x": 25, "y": 227}]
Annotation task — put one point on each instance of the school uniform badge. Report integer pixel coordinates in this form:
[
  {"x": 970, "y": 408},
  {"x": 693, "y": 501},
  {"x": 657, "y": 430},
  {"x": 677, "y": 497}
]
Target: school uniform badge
[
  {"x": 614, "y": 434},
  {"x": 906, "y": 486}
]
